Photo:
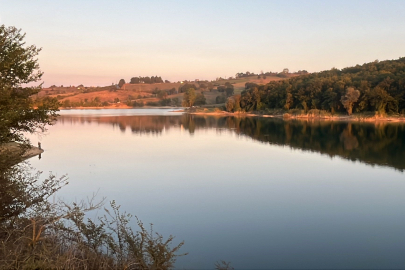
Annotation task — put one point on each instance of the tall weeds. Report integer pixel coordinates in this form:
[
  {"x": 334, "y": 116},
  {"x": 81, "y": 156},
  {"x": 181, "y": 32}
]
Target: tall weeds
[{"x": 36, "y": 233}]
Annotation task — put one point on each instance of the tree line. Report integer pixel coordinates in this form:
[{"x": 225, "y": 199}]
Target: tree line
[
  {"x": 147, "y": 79},
  {"x": 139, "y": 79},
  {"x": 371, "y": 87}
]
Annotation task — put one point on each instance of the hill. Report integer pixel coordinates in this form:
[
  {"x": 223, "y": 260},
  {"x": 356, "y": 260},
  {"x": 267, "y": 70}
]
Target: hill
[{"x": 142, "y": 94}]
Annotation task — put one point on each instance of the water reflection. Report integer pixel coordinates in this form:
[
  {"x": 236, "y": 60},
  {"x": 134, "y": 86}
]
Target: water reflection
[
  {"x": 226, "y": 187},
  {"x": 380, "y": 144}
]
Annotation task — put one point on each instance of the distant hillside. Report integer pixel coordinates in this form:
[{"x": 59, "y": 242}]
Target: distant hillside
[
  {"x": 145, "y": 94},
  {"x": 372, "y": 87}
]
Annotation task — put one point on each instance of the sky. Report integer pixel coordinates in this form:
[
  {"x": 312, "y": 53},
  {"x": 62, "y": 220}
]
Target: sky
[{"x": 99, "y": 42}]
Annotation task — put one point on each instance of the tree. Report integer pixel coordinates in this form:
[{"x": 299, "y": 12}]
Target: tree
[
  {"x": 121, "y": 83},
  {"x": 189, "y": 97},
  {"x": 155, "y": 91},
  {"x": 200, "y": 99},
  {"x": 186, "y": 86},
  {"x": 19, "y": 67},
  {"x": 230, "y": 104},
  {"x": 220, "y": 99},
  {"x": 288, "y": 101},
  {"x": 349, "y": 99},
  {"x": 229, "y": 90},
  {"x": 134, "y": 80},
  {"x": 221, "y": 88},
  {"x": 210, "y": 86},
  {"x": 162, "y": 94},
  {"x": 380, "y": 100},
  {"x": 176, "y": 101},
  {"x": 233, "y": 104},
  {"x": 147, "y": 80},
  {"x": 203, "y": 86}
]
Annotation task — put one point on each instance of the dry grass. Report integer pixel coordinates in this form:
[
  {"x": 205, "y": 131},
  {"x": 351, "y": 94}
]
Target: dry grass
[{"x": 36, "y": 233}]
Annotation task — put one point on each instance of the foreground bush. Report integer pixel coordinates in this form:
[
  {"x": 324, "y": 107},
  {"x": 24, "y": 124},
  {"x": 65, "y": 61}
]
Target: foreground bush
[{"x": 38, "y": 234}]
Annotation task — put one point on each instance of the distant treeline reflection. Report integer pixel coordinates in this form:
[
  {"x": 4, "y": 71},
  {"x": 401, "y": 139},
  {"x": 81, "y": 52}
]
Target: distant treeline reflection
[{"x": 371, "y": 143}]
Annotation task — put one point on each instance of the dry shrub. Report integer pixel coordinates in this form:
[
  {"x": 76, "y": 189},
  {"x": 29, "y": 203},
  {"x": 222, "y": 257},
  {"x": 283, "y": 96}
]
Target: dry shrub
[{"x": 36, "y": 233}]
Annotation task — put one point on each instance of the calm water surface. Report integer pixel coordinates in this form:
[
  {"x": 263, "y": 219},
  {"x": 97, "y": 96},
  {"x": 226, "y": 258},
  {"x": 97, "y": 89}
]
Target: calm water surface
[{"x": 261, "y": 193}]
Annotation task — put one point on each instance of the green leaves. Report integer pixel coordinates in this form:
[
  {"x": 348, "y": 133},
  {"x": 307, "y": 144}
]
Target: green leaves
[
  {"x": 381, "y": 87},
  {"x": 18, "y": 67},
  {"x": 189, "y": 97}
]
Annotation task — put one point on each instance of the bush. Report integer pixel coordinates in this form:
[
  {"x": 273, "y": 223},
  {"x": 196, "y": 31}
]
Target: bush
[
  {"x": 296, "y": 112},
  {"x": 38, "y": 234},
  {"x": 137, "y": 104},
  {"x": 165, "y": 102},
  {"x": 200, "y": 99},
  {"x": 152, "y": 103},
  {"x": 220, "y": 99}
]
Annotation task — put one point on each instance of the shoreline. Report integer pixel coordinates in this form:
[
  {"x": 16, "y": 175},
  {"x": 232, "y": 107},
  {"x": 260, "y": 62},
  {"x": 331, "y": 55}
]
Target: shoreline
[
  {"x": 343, "y": 118},
  {"x": 14, "y": 152},
  {"x": 285, "y": 116},
  {"x": 117, "y": 108}
]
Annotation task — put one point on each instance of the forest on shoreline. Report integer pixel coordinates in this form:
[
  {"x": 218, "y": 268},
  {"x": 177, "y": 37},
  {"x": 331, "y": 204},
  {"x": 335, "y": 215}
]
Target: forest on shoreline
[{"x": 377, "y": 87}]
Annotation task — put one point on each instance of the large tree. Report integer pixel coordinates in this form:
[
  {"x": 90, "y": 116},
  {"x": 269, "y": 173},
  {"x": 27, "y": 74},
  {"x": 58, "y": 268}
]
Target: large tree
[
  {"x": 352, "y": 96},
  {"x": 189, "y": 97},
  {"x": 19, "y": 71},
  {"x": 121, "y": 83}
]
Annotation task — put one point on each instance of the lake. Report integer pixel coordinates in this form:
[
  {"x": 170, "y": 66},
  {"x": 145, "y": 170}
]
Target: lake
[{"x": 261, "y": 193}]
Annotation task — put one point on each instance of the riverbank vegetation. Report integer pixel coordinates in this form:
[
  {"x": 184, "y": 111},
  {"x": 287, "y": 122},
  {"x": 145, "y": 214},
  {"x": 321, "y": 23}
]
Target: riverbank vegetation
[
  {"x": 18, "y": 68},
  {"x": 39, "y": 233},
  {"x": 377, "y": 87}
]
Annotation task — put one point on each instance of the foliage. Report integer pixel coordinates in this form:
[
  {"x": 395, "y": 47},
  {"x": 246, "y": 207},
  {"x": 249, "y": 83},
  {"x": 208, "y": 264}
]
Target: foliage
[
  {"x": 246, "y": 74},
  {"x": 351, "y": 96},
  {"x": 152, "y": 103},
  {"x": 148, "y": 80},
  {"x": 200, "y": 99},
  {"x": 176, "y": 101},
  {"x": 19, "y": 67},
  {"x": 186, "y": 86},
  {"x": 202, "y": 86},
  {"x": 165, "y": 102},
  {"x": 38, "y": 234},
  {"x": 162, "y": 94},
  {"x": 229, "y": 89},
  {"x": 381, "y": 86},
  {"x": 121, "y": 83},
  {"x": 189, "y": 97},
  {"x": 232, "y": 104},
  {"x": 221, "y": 88},
  {"x": 220, "y": 99},
  {"x": 171, "y": 91},
  {"x": 137, "y": 103}
]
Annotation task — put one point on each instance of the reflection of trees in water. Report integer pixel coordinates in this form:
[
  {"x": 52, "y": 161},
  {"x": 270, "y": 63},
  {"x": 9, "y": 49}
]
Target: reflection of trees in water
[
  {"x": 375, "y": 144},
  {"x": 350, "y": 142},
  {"x": 382, "y": 144}
]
